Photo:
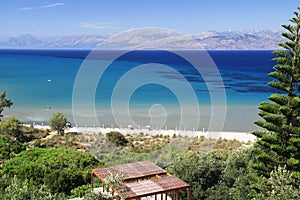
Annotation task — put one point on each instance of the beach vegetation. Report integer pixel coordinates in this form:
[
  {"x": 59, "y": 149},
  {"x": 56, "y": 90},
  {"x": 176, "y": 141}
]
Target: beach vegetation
[
  {"x": 14, "y": 129},
  {"x": 4, "y": 103},
  {"x": 228, "y": 146},
  {"x": 145, "y": 143},
  {"x": 278, "y": 141},
  {"x": 201, "y": 144},
  {"x": 58, "y": 122},
  {"x": 30, "y": 133},
  {"x": 68, "y": 141},
  {"x": 225, "y": 169}
]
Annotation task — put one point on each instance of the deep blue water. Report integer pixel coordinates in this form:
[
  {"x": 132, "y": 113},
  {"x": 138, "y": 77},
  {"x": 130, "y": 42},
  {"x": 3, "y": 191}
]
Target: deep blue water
[{"x": 38, "y": 79}]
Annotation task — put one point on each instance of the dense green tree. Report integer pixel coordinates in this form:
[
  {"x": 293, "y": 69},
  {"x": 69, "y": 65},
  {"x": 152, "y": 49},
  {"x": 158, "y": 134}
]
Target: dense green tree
[
  {"x": 12, "y": 128},
  {"x": 235, "y": 175},
  {"x": 4, "y": 103},
  {"x": 58, "y": 123},
  {"x": 117, "y": 138},
  {"x": 279, "y": 139},
  {"x": 232, "y": 183},
  {"x": 201, "y": 171},
  {"x": 236, "y": 165},
  {"x": 60, "y": 170}
]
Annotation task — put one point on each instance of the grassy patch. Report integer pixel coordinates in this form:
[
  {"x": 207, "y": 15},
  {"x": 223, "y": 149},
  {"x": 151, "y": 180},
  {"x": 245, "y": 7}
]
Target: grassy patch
[{"x": 221, "y": 145}]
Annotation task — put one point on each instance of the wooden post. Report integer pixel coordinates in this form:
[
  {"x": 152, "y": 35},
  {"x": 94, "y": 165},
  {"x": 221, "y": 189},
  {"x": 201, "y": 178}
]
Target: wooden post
[
  {"x": 188, "y": 193},
  {"x": 92, "y": 181},
  {"x": 172, "y": 195},
  {"x": 177, "y": 194},
  {"x": 155, "y": 197},
  {"x": 161, "y": 196},
  {"x": 166, "y": 196}
]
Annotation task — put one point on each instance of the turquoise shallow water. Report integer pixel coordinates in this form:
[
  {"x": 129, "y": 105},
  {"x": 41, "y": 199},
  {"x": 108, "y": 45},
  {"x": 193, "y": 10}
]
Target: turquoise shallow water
[{"x": 140, "y": 87}]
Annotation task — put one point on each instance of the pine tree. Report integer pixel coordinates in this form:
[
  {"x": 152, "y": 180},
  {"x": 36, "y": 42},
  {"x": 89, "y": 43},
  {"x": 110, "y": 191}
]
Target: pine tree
[{"x": 278, "y": 141}]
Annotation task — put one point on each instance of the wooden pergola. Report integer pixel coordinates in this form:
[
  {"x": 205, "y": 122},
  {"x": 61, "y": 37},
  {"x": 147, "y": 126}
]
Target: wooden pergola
[{"x": 142, "y": 179}]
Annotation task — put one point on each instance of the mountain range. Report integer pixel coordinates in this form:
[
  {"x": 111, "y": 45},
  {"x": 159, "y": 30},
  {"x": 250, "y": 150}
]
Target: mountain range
[{"x": 152, "y": 38}]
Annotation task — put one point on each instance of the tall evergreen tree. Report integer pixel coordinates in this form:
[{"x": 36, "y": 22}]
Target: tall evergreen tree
[{"x": 279, "y": 139}]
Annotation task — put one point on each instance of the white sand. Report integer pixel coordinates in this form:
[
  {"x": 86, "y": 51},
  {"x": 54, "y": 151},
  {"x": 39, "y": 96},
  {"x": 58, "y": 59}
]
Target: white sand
[
  {"x": 43, "y": 127},
  {"x": 240, "y": 136}
]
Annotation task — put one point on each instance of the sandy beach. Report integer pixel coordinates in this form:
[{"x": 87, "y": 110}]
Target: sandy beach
[{"x": 240, "y": 136}]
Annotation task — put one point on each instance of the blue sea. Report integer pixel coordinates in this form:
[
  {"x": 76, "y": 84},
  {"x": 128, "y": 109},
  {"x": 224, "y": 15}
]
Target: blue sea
[{"x": 211, "y": 90}]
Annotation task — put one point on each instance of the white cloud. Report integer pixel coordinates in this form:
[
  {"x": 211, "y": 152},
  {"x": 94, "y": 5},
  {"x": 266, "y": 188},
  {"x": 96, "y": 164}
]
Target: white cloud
[
  {"x": 94, "y": 25},
  {"x": 42, "y": 7}
]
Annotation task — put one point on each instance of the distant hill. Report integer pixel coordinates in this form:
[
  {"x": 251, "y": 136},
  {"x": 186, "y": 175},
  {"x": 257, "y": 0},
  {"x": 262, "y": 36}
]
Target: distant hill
[
  {"x": 239, "y": 39},
  {"x": 72, "y": 41},
  {"x": 151, "y": 38}
]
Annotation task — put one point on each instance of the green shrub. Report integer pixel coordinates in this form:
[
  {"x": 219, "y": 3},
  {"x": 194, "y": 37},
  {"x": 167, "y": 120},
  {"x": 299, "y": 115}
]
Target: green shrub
[
  {"x": 9, "y": 148},
  {"x": 21, "y": 189},
  {"x": 83, "y": 190},
  {"x": 60, "y": 169},
  {"x": 280, "y": 185},
  {"x": 117, "y": 138}
]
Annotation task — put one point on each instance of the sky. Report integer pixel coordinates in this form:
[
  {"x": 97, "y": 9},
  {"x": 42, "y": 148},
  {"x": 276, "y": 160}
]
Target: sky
[{"x": 106, "y": 17}]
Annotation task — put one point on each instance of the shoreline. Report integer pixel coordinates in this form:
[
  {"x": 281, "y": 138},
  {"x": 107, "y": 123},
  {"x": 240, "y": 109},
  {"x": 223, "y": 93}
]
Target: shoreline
[
  {"x": 232, "y": 122},
  {"x": 229, "y": 135}
]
